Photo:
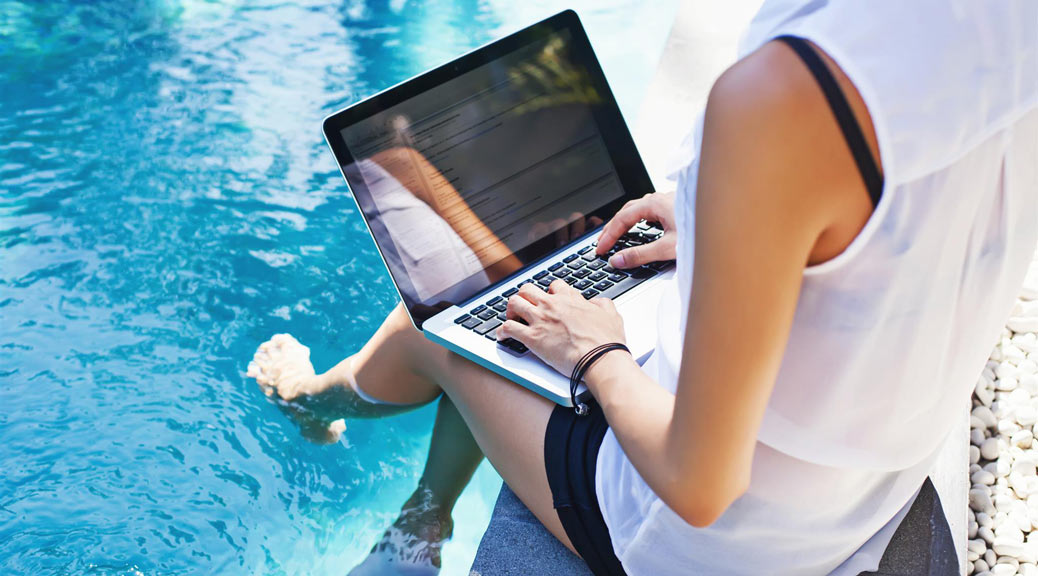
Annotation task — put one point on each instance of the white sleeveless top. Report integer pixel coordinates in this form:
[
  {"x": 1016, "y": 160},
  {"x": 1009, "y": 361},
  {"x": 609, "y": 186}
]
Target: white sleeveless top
[{"x": 890, "y": 336}]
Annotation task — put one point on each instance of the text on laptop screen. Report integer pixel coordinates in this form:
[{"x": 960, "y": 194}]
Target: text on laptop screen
[{"x": 465, "y": 183}]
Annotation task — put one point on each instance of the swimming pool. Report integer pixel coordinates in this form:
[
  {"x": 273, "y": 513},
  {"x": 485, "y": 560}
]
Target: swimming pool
[{"x": 167, "y": 204}]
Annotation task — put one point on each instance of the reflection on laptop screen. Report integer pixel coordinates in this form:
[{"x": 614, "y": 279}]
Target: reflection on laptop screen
[{"x": 456, "y": 182}]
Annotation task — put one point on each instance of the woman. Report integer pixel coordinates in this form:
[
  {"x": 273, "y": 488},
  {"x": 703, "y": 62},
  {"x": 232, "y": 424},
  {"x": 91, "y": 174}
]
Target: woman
[{"x": 854, "y": 217}]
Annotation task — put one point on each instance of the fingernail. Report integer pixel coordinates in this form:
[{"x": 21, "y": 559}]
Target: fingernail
[{"x": 618, "y": 260}]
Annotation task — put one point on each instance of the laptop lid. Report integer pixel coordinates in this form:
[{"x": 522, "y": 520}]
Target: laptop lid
[{"x": 471, "y": 171}]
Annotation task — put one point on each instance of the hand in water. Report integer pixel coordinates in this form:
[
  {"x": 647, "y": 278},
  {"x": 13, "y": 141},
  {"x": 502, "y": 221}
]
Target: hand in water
[
  {"x": 282, "y": 368},
  {"x": 658, "y": 207}
]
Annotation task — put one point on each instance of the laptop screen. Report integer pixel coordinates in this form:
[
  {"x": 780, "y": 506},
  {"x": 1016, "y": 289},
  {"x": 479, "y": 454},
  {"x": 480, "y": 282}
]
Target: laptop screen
[{"x": 464, "y": 183}]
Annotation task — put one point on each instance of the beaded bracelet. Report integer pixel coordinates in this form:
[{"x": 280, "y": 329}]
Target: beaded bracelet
[{"x": 582, "y": 366}]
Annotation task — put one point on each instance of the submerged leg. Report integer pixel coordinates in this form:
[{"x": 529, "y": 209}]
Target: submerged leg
[
  {"x": 414, "y": 542},
  {"x": 389, "y": 375}
]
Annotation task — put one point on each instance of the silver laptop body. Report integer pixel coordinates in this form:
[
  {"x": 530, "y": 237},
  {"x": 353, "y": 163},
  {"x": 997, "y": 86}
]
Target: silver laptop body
[{"x": 495, "y": 170}]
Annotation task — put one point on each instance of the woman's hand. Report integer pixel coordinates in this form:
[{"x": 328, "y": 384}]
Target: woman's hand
[
  {"x": 658, "y": 207},
  {"x": 561, "y": 326}
]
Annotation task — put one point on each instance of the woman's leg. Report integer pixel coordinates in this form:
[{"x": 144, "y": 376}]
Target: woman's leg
[{"x": 399, "y": 365}]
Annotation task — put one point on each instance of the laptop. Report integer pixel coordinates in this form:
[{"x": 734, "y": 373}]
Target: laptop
[{"x": 496, "y": 170}]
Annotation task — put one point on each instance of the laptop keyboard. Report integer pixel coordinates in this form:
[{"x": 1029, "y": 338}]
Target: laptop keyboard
[{"x": 583, "y": 270}]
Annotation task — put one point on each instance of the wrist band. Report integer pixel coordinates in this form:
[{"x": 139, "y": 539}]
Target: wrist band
[{"x": 582, "y": 366}]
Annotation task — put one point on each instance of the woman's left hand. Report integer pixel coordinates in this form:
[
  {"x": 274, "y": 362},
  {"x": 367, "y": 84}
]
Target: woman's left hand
[{"x": 561, "y": 326}]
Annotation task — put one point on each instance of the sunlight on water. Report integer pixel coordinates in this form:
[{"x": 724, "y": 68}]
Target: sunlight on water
[{"x": 168, "y": 203}]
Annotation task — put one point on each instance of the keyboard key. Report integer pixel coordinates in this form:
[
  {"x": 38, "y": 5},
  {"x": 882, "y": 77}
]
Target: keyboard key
[
  {"x": 642, "y": 273},
  {"x": 597, "y": 264},
  {"x": 492, "y": 335},
  {"x": 598, "y": 276},
  {"x": 582, "y": 284},
  {"x": 617, "y": 277},
  {"x": 540, "y": 275},
  {"x": 589, "y": 293},
  {"x": 562, "y": 273},
  {"x": 471, "y": 323},
  {"x": 461, "y": 318},
  {"x": 477, "y": 309},
  {"x": 501, "y": 306},
  {"x": 590, "y": 256},
  {"x": 510, "y": 292},
  {"x": 520, "y": 285},
  {"x": 643, "y": 226},
  {"x": 514, "y": 345},
  {"x": 570, "y": 258},
  {"x": 609, "y": 270},
  {"x": 555, "y": 266},
  {"x": 502, "y": 316},
  {"x": 487, "y": 326},
  {"x": 487, "y": 314},
  {"x": 603, "y": 285},
  {"x": 546, "y": 281},
  {"x": 662, "y": 265},
  {"x": 586, "y": 249},
  {"x": 582, "y": 273},
  {"x": 577, "y": 264},
  {"x": 569, "y": 280},
  {"x": 494, "y": 300}
]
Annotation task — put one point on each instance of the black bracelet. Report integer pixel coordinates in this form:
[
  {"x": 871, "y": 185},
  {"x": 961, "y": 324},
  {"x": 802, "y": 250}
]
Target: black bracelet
[{"x": 582, "y": 366}]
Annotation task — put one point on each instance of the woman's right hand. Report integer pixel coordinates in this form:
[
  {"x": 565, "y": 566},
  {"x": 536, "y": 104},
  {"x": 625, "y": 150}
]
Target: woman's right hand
[{"x": 657, "y": 207}]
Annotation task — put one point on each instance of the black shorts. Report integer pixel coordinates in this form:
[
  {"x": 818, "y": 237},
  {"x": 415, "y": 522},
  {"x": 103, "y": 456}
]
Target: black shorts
[{"x": 571, "y": 446}]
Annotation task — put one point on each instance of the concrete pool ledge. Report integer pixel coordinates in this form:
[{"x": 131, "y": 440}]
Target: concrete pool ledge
[{"x": 701, "y": 44}]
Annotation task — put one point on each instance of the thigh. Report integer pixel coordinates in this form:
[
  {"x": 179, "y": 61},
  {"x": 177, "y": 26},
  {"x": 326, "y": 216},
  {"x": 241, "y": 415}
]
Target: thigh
[{"x": 508, "y": 422}]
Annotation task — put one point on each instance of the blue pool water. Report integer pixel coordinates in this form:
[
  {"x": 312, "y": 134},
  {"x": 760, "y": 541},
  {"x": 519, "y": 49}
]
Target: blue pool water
[{"x": 166, "y": 204}]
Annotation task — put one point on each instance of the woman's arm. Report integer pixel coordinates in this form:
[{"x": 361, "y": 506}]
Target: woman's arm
[
  {"x": 777, "y": 190},
  {"x": 775, "y": 177}
]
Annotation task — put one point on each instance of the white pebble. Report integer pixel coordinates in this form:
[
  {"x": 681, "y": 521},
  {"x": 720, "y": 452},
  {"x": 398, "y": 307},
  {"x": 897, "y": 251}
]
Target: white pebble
[
  {"x": 985, "y": 415},
  {"x": 982, "y": 477},
  {"x": 1003, "y": 570},
  {"x": 989, "y": 448},
  {"x": 1029, "y": 383},
  {"x": 1007, "y": 547},
  {"x": 979, "y": 565},
  {"x": 1026, "y": 415},
  {"x": 1022, "y": 438},
  {"x": 977, "y": 437},
  {"x": 983, "y": 393},
  {"x": 974, "y": 454},
  {"x": 1006, "y": 427}
]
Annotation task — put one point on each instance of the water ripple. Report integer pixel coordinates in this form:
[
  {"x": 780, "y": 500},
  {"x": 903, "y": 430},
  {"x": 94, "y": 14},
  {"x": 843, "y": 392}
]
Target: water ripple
[{"x": 167, "y": 203}]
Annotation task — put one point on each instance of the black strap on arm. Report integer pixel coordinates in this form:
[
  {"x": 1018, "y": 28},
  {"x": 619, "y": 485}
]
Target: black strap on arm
[{"x": 852, "y": 132}]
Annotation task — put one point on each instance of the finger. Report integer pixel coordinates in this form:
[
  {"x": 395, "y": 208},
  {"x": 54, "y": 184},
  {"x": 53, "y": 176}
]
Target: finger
[
  {"x": 521, "y": 308},
  {"x": 619, "y": 224},
  {"x": 559, "y": 287},
  {"x": 637, "y": 255},
  {"x": 532, "y": 293},
  {"x": 514, "y": 330}
]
